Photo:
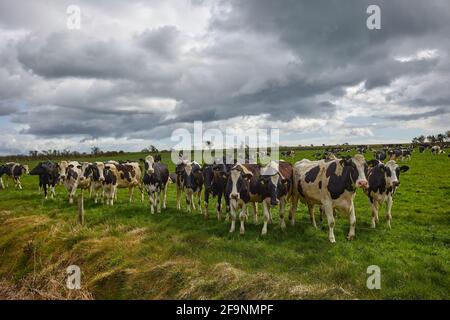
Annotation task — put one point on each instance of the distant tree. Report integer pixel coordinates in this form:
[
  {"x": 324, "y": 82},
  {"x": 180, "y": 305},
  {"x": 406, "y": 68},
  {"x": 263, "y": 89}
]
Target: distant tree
[
  {"x": 95, "y": 151},
  {"x": 440, "y": 137},
  {"x": 421, "y": 139},
  {"x": 431, "y": 139},
  {"x": 152, "y": 148}
]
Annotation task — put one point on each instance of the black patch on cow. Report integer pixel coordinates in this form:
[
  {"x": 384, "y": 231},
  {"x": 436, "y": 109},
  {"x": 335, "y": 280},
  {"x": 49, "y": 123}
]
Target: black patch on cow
[
  {"x": 311, "y": 175},
  {"x": 300, "y": 189},
  {"x": 320, "y": 184},
  {"x": 338, "y": 184},
  {"x": 377, "y": 179}
]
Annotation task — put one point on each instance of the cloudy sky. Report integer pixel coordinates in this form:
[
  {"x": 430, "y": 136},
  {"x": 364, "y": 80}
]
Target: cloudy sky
[{"x": 137, "y": 70}]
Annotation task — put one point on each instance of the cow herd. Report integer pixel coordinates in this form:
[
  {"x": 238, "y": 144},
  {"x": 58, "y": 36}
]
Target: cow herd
[{"x": 329, "y": 184}]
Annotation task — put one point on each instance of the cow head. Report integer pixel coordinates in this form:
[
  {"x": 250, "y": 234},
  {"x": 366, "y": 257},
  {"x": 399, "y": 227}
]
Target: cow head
[
  {"x": 149, "y": 161},
  {"x": 62, "y": 170},
  {"x": 239, "y": 180},
  {"x": 393, "y": 173},
  {"x": 38, "y": 170},
  {"x": 358, "y": 167},
  {"x": 272, "y": 179},
  {"x": 190, "y": 170},
  {"x": 208, "y": 176}
]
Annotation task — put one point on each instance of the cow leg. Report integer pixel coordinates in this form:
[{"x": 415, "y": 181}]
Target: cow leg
[
  {"x": 205, "y": 204},
  {"x": 243, "y": 218},
  {"x": 233, "y": 208},
  {"x": 218, "y": 206},
  {"x": 374, "y": 206},
  {"x": 45, "y": 190},
  {"x": 388, "y": 210},
  {"x": 52, "y": 190},
  {"x": 131, "y": 190},
  {"x": 282, "y": 212},
  {"x": 330, "y": 217},
  {"x": 158, "y": 201},
  {"x": 255, "y": 213},
  {"x": 151, "y": 201},
  {"x": 311, "y": 215},
  {"x": 178, "y": 198},
  {"x": 294, "y": 204},
  {"x": 2, "y": 186},
  {"x": 164, "y": 204},
  {"x": 266, "y": 211},
  {"x": 352, "y": 217},
  {"x": 17, "y": 183}
]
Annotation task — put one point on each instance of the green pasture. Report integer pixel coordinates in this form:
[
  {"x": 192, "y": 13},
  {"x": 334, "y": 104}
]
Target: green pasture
[{"x": 125, "y": 252}]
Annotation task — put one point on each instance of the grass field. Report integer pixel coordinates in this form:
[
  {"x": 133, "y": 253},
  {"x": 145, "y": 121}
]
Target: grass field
[{"x": 125, "y": 252}]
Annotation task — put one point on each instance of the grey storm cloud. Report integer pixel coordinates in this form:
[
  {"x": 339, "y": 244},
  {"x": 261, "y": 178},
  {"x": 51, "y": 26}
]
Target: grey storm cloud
[{"x": 281, "y": 58}]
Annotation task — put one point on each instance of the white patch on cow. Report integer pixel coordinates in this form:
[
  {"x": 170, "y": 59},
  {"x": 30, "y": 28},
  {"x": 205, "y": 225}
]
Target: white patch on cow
[
  {"x": 390, "y": 180},
  {"x": 359, "y": 161},
  {"x": 235, "y": 174}
]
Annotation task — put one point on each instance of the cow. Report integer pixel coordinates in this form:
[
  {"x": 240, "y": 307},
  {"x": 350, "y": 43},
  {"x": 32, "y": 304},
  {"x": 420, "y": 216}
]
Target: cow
[
  {"x": 379, "y": 155},
  {"x": 399, "y": 153},
  {"x": 248, "y": 183},
  {"x": 128, "y": 175},
  {"x": 436, "y": 150},
  {"x": 13, "y": 171},
  {"x": 384, "y": 179},
  {"x": 110, "y": 184},
  {"x": 330, "y": 184},
  {"x": 179, "y": 171},
  {"x": 48, "y": 176},
  {"x": 215, "y": 178},
  {"x": 62, "y": 170},
  {"x": 192, "y": 179},
  {"x": 277, "y": 178},
  {"x": 290, "y": 153},
  {"x": 2, "y": 172},
  {"x": 155, "y": 180},
  {"x": 71, "y": 178},
  {"x": 241, "y": 185},
  {"x": 95, "y": 173}
]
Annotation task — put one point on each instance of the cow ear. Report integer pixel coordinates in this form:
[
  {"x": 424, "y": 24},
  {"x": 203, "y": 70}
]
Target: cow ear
[
  {"x": 372, "y": 163},
  {"x": 404, "y": 168},
  {"x": 79, "y": 167}
]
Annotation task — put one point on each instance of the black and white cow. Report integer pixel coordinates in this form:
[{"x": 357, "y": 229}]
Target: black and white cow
[
  {"x": 13, "y": 171},
  {"x": 248, "y": 183},
  {"x": 48, "y": 176},
  {"x": 384, "y": 179},
  {"x": 156, "y": 180},
  {"x": 2, "y": 172},
  {"x": 95, "y": 173},
  {"x": 192, "y": 179},
  {"x": 436, "y": 150},
  {"x": 110, "y": 184},
  {"x": 380, "y": 155},
  {"x": 215, "y": 178},
  {"x": 331, "y": 185},
  {"x": 72, "y": 178}
]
